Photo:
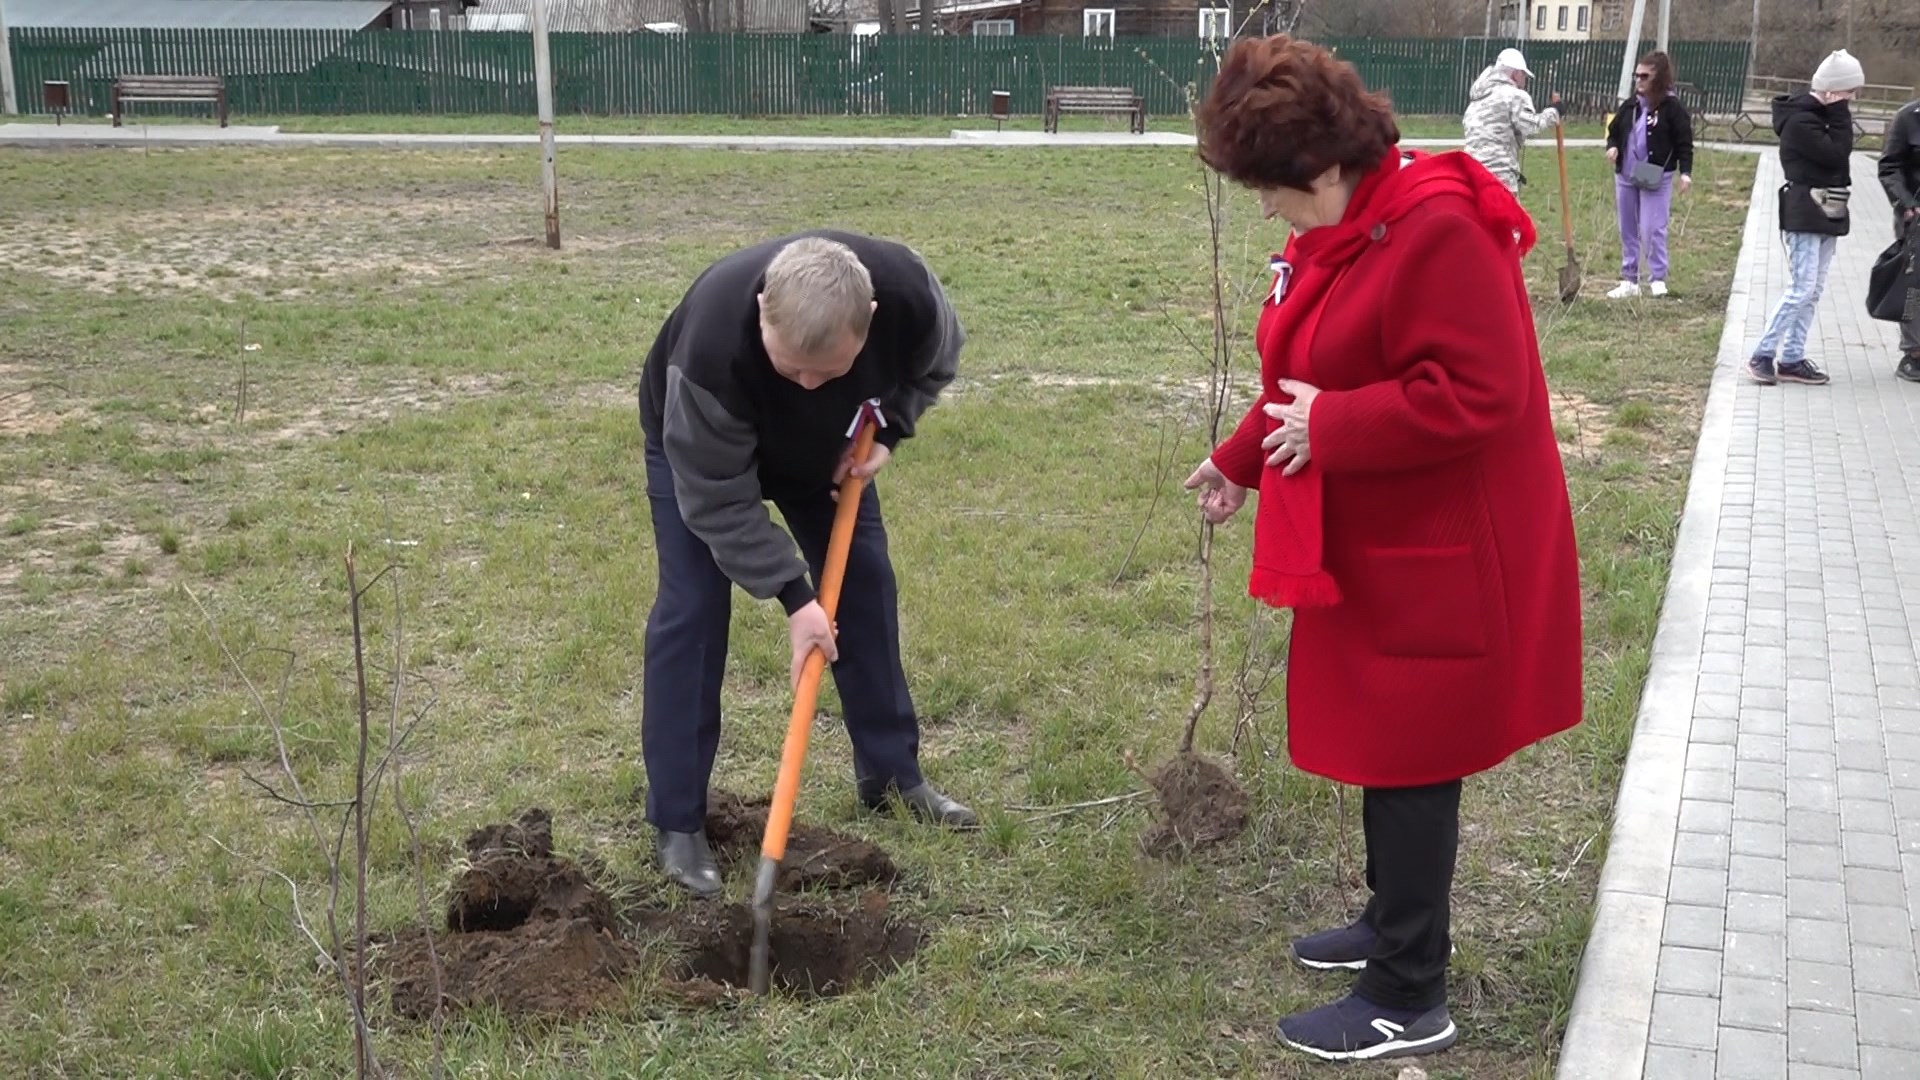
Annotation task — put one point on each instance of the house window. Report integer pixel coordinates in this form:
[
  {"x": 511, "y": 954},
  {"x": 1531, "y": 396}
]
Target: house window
[
  {"x": 1216, "y": 23},
  {"x": 1097, "y": 23},
  {"x": 1586, "y": 18},
  {"x": 993, "y": 28},
  {"x": 1563, "y": 18},
  {"x": 1540, "y": 22}
]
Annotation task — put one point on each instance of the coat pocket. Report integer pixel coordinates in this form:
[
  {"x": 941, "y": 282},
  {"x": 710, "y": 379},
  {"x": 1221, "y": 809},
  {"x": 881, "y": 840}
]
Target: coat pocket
[{"x": 1426, "y": 603}]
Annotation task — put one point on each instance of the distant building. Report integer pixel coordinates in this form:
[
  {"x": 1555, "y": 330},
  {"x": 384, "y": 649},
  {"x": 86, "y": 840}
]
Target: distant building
[
  {"x": 666, "y": 16},
  {"x": 1555, "y": 20},
  {"x": 1099, "y": 19},
  {"x": 212, "y": 14}
]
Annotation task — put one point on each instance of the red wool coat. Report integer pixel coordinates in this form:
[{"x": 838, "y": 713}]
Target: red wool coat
[{"x": 1428, "y": 546}]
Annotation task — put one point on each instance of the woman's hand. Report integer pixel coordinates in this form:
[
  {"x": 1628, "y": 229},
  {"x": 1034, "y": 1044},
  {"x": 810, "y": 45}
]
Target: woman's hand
[
  {"x": 1613, "y": 155},
  {"x": 1289, "y": 442},
  {"x": 1220, "y": 497},
  {"x": 1684, "y": 183}
]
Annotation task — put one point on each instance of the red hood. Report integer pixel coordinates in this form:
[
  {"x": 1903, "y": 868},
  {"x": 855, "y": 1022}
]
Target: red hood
[{"x": 1393, "y": 190}]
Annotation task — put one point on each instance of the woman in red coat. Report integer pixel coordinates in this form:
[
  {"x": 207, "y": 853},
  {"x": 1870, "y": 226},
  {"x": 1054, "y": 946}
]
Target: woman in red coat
[{"x": 1413, "y": 511}]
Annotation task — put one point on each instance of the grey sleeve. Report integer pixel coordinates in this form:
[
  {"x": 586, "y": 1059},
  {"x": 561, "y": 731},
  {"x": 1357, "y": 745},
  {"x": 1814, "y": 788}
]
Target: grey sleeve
[
  {"x": 1528, "y": 123},
  {"x": 716, "y": 483},
  {"x": 929, "y": 371}
]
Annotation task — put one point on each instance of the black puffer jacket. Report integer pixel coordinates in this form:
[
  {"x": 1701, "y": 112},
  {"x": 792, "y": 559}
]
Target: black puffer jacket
[
  {"x": 1900, "y": 161},
  {"x": 1816, "y": 146},
  {"x": 1669, "y": 137}
]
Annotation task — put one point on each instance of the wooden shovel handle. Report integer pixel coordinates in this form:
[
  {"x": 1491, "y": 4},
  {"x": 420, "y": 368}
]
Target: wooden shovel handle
[
  {"x": 806, "y": 698},
  {"x": 1566, "y": 198}
]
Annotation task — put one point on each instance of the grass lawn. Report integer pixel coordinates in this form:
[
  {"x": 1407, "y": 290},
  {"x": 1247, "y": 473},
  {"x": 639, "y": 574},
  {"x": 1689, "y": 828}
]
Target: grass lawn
[
  {"x": 427, "y": 374},
  {"x": 1426, "y": 127}
]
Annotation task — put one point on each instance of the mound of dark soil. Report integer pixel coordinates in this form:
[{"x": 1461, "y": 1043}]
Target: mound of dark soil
[
  {"x": 1202, "y": 803},
  {"x": 816, "y": 857},
  {"x": 530, "y": 933}
]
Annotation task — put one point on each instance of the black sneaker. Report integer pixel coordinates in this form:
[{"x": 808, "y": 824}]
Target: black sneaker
[
  {"x": 1355, "y": 1029},
  {"x": 1761, "y": 368},
  {"x": 1803, "y": 372},
  {"x": 1909, "y": 368},
  {"x": 1330, "y": 950}
]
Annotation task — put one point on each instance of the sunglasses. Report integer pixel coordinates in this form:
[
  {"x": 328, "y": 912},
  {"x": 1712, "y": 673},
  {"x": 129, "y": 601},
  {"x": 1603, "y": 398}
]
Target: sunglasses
[{"x": 1643, "y": 75}]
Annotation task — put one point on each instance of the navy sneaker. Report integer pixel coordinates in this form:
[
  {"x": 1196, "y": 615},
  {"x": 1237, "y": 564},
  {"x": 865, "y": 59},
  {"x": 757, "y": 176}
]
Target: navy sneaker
[
  {"x": 1330, "y": 950},
  {"x": 1355, "y": 1029},
  {"x": 1802, "y": 371},
  {"x": 1761, "y": 368}
]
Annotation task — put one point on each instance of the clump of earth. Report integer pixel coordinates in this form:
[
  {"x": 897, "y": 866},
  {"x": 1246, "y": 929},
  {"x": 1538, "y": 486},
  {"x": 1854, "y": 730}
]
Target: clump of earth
[
  {"x": 1201, "y": 805},
  {"x": 531, "y": 933}
]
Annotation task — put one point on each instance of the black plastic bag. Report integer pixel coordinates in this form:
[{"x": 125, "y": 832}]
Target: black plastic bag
[{"x": 1893, "y": 286}]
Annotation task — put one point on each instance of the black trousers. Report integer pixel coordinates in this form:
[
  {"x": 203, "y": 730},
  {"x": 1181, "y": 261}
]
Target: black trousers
[
  {"x": 1413, "y": 837},
  {"x": 686, "y": 653}
]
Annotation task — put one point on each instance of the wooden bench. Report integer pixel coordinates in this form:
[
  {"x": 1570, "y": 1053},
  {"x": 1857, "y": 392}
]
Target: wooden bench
[
  {"x": 1104, "y": 100},
  {"x": 169, "y": 88}
]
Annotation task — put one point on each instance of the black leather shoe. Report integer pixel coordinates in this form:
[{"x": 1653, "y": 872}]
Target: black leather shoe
[
  {"x": 688, "y": 862},
  {"x": 928, "y": 806}
]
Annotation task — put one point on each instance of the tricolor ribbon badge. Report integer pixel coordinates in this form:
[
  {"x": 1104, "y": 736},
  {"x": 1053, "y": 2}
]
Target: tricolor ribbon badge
[{"x": 869, "y": 407}]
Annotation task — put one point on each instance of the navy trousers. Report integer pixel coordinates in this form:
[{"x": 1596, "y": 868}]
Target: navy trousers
[{"x": 686, "y": 654}]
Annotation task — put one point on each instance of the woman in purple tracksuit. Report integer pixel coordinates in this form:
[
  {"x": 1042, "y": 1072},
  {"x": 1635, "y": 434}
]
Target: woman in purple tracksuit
[{"x": 1650, "y": 143}]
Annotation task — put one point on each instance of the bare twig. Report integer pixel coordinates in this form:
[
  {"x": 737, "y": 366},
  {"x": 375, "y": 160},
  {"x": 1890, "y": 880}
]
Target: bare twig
[
  {"x": 362, "y": 1044},
  {"x": 321, "y": 955},
  {"x": 1042, "y": 813},
  {"x": 273, "y": 793},
  {"x": 395, "y": 738},
  {"x": 306, "y": 806},
  {"x": 240, "y": 406}
]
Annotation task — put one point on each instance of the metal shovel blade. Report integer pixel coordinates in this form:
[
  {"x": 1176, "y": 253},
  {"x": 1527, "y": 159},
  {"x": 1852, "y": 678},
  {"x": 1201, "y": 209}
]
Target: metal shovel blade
[
  {"x": 1569, "y": 280},
  {"x": 759, "y": 962}
]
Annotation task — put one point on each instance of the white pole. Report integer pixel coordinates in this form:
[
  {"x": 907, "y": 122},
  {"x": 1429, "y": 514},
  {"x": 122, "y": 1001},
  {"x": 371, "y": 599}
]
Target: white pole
[
  {"x": 1753, "y": 48},
  {"x": 1633, "y": 48},
  {"x": 7, "y": 104},
  {"x": 543, "y": 92},
  {"x": 1666, "y": 23}
]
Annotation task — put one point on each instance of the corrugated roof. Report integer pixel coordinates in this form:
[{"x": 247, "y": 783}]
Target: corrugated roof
[{"x": 198, "y": 14}]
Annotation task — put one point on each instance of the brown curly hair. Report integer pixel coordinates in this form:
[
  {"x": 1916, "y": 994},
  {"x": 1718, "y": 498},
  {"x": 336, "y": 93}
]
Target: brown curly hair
[{"x": 1283, "y": 111}]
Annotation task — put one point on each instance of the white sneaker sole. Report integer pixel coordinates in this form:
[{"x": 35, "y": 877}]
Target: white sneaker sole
[
  {"x": 1329, "y": 965},
  {"x": 1348, "y": 965},
  {"x": 1432, "y": 1044}
]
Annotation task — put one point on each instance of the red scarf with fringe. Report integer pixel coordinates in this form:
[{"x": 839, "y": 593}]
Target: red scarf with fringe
[{"x": 1288, "y": 543}]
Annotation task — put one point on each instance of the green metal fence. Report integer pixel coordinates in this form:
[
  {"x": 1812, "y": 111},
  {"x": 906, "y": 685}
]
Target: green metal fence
[{"x": 393, "y": 71}]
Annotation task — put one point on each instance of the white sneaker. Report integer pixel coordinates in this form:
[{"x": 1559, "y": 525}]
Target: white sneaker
[
  {"x": 1624, "y": 291},
  {"x": 1658, "y": 288}
]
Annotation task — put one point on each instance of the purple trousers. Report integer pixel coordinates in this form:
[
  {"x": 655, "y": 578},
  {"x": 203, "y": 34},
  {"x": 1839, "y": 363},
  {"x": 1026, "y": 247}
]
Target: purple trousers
[{"x": 1643, "y": 226}]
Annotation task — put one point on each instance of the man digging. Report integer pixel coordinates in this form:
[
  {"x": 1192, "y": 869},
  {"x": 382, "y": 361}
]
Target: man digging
[{"x": 751, "y": 394}]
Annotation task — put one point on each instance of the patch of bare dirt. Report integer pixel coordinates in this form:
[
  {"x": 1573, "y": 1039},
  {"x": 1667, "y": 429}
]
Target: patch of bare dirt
[
  {"x": 353, "y": 406},
  {"x": 531, "y": 933},
  {"x": 1580, "y": 424},
  {"x": 816, "y": 857}
]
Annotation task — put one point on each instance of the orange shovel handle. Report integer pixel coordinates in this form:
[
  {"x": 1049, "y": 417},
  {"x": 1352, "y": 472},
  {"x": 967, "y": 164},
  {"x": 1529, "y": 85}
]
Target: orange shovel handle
[{"x": 793, "y": 754}]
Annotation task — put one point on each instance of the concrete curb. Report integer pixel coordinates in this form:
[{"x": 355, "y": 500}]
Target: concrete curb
[{"x": 1607, "y": 1032}]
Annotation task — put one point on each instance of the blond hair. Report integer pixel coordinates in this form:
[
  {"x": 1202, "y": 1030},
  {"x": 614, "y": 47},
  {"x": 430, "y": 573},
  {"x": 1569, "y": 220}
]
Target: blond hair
[{"x": 816, "y": 289}]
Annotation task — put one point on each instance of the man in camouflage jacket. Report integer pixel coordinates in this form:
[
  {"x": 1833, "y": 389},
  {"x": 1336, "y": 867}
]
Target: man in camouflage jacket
[{"x": 1500, "y": 117}]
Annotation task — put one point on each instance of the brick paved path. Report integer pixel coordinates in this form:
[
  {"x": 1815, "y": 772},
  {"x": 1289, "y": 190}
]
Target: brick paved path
[{"x": 1760, "y": 903}]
